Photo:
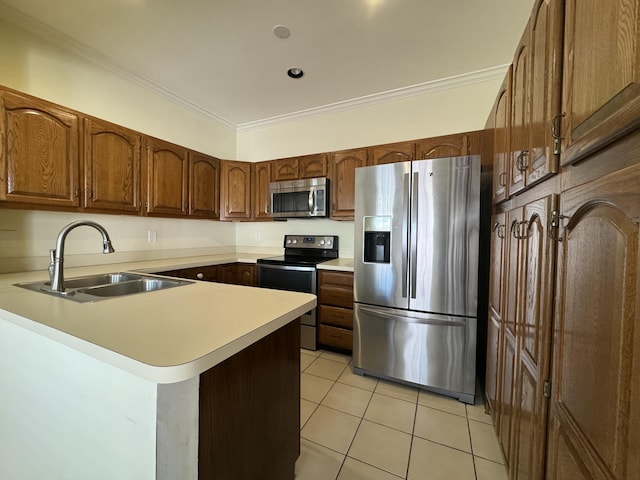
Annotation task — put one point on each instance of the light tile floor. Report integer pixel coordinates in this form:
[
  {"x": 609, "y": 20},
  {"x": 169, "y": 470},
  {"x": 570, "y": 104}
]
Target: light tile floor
[{"x": 357, "y": 428}]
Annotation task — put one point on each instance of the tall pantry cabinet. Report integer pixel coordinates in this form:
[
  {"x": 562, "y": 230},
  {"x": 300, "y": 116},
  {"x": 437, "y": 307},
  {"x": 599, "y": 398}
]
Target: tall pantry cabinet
[{"x": 563, "y": 353}]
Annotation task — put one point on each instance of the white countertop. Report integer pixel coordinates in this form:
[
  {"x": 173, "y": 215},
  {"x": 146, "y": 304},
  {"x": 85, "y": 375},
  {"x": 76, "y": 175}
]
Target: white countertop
[
  {"x": 164, "y": 336},
  {"x": 339, "y": 264}
]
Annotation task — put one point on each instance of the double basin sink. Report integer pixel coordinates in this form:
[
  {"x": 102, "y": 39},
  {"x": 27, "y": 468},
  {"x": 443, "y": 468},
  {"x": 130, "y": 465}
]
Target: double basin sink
[{"x": 109, "y": 285}]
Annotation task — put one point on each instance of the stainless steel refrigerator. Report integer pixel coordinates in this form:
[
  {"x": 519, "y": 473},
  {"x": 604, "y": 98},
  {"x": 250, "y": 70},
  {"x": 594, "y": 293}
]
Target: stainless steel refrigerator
[{"x": 416, "y": 273}]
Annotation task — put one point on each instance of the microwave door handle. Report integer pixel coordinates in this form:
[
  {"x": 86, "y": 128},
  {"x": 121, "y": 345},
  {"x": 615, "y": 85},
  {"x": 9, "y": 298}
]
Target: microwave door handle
[{"x": 313, "y": 206}]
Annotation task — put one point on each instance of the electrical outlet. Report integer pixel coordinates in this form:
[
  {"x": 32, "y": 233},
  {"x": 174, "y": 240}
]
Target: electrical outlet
[
  {"x": 152, "y": 236},
  {"x": 257, "y": 236}
]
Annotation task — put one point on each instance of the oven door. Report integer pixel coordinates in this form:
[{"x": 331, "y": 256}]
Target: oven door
[{"x": 293, "y": 278}]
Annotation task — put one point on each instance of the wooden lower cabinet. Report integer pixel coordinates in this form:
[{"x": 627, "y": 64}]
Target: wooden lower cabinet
[
  {"x": 235, "y": 273},
  {"x": 335, "y": 309},
  {"x": 563, "y": 366},
  {"x": 519, "y": 332},
  {"x": 595, "y": 398},
  {"x": 249, "y": 417}
]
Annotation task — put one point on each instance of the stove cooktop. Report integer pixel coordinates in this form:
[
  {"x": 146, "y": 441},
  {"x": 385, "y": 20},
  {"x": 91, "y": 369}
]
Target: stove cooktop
[{"x": 305, "y": 250}]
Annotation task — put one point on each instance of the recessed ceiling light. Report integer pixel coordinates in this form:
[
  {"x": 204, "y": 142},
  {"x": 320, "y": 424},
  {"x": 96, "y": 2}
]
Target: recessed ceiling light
[
  {"x": 281, "y": 31},
  {"x": 295, "y": 72}
]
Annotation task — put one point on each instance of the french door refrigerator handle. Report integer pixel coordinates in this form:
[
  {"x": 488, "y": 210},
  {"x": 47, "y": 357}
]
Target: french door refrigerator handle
[
  {"x": 422, "y": 321},
  {"x": 405, "y": 233},
  {"x": 414, "y": 234}
]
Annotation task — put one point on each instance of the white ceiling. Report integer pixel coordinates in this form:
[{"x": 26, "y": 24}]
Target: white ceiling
[{"x": 221, "y": 56}]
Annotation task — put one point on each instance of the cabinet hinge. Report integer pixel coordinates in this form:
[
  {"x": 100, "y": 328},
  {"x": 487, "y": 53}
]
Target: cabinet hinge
[{"x": 546, "y": 389}]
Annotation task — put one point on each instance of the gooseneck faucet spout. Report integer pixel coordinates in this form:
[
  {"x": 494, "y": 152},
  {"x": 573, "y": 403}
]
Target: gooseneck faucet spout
[{"x": 56, "y": 274}]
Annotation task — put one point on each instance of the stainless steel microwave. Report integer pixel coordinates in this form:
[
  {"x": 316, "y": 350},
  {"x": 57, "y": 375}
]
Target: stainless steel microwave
[{"x": 308, "y": 198}]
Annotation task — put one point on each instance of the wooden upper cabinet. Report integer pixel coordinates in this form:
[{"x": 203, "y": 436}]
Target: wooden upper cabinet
[
  {"x": 284, "y": 169},
  {"x": 595, "y": 419},
  {"x": 456, "y": 145},
  {"x": 235, "y": 190},
  {"x": 312, "y": 166},
  {"x": 545, "y": 71},
  {"x": 390, "y": 153},
  {"x": 519, "y": 144},
  {"x": 167, "y": 178},
  {"x": 260, "y": 178},
  {"x": 112, "y": 156},
  {"x": 342, "y": 172},
  {"x": 40, "y": 151},
  {"x": 204, "y": 186},
  {"x": 307, "y": 166},
  {"x": 601, "y": 75},
  {"x": 501, "y": 114}
]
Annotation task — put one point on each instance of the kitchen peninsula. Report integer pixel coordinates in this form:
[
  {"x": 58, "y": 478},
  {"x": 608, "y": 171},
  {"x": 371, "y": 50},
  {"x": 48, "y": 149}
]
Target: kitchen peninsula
[{"x": 178, "y": 383}]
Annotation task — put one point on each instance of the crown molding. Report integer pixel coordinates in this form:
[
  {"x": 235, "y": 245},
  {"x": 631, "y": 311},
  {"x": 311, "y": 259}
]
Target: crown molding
[
  {"x": 479, "y": 76},
  {"x": 54, "y": 36}
]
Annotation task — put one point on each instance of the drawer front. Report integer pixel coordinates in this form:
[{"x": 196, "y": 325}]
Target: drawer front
[
  {"x": 339, "y": 297},
  {"x": 335, "y": 337},
  {"x": 337, "y": 316},
  {"x": 338, "y": 279}
]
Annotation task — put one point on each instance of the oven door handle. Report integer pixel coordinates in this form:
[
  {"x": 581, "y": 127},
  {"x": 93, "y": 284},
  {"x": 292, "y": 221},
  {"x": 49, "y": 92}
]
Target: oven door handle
[{"x": 297, "y": 268}]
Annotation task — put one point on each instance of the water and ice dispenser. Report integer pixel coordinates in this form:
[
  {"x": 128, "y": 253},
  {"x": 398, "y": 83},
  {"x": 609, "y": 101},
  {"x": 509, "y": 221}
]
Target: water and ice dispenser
[{"x": 377, "y": 239}]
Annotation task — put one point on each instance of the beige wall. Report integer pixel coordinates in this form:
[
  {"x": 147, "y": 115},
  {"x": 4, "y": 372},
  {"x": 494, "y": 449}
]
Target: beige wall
[
  {"x": 421, "y": 116},
  {"x": 33, "y": 65}
]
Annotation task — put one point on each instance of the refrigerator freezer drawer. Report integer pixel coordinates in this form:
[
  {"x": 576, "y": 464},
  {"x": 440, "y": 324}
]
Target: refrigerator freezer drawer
[{"x": 434, "y": 351}]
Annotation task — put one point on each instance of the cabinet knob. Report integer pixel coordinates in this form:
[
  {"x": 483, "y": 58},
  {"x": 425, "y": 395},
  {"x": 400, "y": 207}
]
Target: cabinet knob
[{"x": 199, "y": 275}]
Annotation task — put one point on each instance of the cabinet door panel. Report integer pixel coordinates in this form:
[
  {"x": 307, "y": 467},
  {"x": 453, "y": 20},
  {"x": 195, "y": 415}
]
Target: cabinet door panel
[
  {"x": 534, "y": 341},
  {"x": 284, "y": 169},
  {"x": 392, "y": 153},
  {"x": 494, "y": 368},
  {"x": 260, "y": 178},
  {"x": 544, "y": 87},
  {"x": 343, "y": 178},
  {"x": 519, "y": 112},
  {"x": 311, "y": 166},
  {"x": 456, "y": 145},
  {"x": 112, "y": 166},
  {"x": 601, "y": 74},
  {"x": 494, "y": 333},
  {"x": 596, "y": 377},
  {"x": 204, "y": 186},
  {"x": 39, "y": 155},
  {"x": 501, "y": 140},
  {"x": 506, "y": 408},
  {"x": 235, "y": 190},
  {"x": 167, "y": 177}
]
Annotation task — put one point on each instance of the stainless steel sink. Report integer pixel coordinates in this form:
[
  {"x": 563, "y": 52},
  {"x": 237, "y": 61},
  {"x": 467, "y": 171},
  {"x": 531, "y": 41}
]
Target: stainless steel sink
[{"x": 101, "y": 287}]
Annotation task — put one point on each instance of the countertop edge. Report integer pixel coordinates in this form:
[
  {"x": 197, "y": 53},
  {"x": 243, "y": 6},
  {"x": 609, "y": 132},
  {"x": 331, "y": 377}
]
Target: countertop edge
[{"x": 153, "y": 373}]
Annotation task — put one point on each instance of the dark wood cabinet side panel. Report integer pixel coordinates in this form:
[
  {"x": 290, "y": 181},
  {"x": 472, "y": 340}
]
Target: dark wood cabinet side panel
[{"x": 250, "y": 411}]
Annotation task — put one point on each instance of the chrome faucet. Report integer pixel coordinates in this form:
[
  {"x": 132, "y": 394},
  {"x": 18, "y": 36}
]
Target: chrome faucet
[{"x": 56, "y": 274}]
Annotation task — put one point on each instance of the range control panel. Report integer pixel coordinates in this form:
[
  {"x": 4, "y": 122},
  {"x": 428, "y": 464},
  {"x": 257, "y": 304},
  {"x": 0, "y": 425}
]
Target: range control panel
[{"x": 327, "y": 242}]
